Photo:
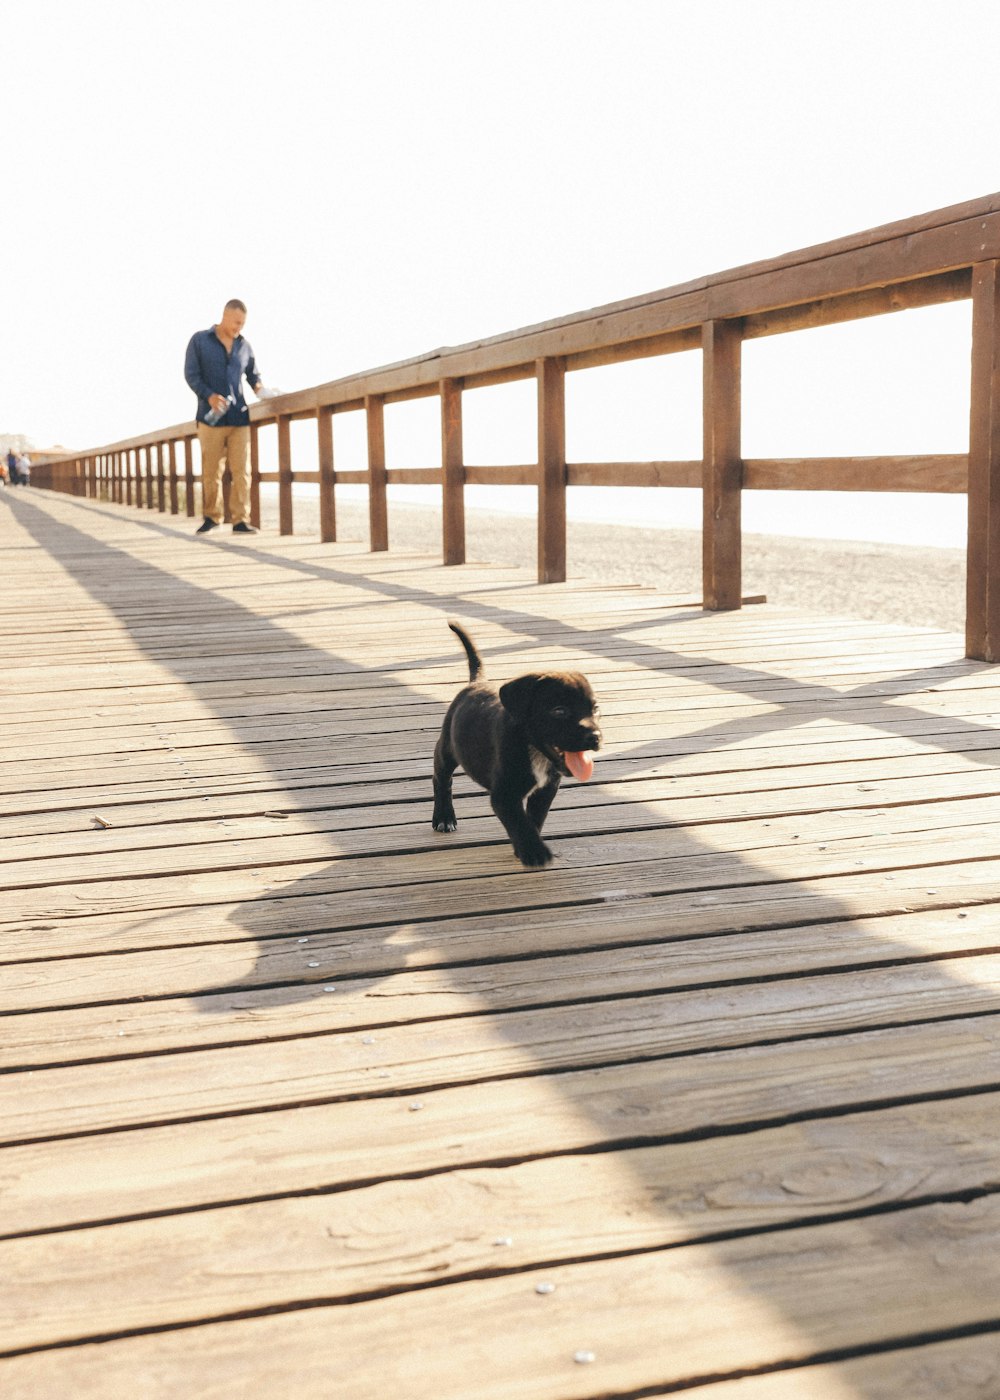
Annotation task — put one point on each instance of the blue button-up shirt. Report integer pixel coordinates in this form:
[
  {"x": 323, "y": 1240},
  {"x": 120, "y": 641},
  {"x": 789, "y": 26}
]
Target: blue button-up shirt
[{"x": 208, "y": 369}]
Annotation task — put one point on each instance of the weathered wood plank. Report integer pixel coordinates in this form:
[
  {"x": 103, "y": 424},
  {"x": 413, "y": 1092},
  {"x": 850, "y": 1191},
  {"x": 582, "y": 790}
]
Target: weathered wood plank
[
  {"x": 149, "y": 1170},
  {"x": 181, "y": 1012},
  {"x": 787, "y": 1298},
  {"x": 965, "y": 1368},
  {"x": 96, "y": 1097},
  {"x": 398, "y": 1234}
]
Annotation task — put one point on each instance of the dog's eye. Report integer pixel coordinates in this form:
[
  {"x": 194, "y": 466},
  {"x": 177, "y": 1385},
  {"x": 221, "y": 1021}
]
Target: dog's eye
[{"x": 559, "y": 712}]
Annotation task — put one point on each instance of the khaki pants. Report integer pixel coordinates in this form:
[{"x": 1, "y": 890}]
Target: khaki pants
[{"x": 219, "y": 446}]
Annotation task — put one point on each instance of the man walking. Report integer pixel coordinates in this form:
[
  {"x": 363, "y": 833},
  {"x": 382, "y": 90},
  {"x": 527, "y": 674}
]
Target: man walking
[{"x": 216, "y": 363}]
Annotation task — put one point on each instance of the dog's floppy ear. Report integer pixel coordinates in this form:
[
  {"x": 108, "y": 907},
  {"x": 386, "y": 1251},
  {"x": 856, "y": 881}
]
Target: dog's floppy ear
[{"x": 516, "y": 695}]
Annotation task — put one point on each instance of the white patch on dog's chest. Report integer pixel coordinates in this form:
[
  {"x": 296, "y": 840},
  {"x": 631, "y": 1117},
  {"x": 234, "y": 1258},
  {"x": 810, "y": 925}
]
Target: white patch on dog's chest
[{"x": 541, "y": 769}]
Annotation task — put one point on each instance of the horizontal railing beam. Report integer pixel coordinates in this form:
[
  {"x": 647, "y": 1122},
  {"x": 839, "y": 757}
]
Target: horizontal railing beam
[{"x": 945, "y": 473}]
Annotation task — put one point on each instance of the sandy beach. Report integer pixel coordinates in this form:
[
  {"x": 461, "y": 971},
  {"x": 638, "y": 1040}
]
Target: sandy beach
[{"x": 846, "y": 578}]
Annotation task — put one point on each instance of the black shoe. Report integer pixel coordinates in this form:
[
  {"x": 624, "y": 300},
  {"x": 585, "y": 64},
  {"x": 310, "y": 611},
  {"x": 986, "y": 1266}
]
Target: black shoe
[
  {"x": 207, "y": 525},
  {"x": 243, "y": 528}
]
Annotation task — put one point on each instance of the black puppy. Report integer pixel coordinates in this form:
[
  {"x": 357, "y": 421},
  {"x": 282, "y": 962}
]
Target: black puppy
[{"x": 518, "y": 741}]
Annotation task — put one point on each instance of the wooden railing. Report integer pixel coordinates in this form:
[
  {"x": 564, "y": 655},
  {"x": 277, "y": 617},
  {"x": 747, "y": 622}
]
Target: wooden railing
[{"x": 948, "y": 255}]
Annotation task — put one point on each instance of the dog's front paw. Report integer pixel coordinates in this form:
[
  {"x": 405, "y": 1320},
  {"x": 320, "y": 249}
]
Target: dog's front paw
[
  {"x": 444, "y": 820},
  {"x": 535, "y": 856}
]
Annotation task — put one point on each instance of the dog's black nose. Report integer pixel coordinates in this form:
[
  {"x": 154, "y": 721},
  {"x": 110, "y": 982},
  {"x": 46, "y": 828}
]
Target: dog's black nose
[{"x": 592, "y": 735}]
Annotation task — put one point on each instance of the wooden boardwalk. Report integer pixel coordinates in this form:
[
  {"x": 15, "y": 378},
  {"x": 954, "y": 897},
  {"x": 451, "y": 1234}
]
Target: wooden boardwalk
[{"x": 304, "y": 1100}]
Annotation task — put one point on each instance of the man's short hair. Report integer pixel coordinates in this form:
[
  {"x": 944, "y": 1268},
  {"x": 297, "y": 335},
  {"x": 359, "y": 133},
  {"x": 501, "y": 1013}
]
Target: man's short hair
[{"x": 235, "y": 305}]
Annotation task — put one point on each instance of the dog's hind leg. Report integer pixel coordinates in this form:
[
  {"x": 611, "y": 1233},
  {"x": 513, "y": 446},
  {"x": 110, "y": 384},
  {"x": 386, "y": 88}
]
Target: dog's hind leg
[{"x": 445, "y": 763}]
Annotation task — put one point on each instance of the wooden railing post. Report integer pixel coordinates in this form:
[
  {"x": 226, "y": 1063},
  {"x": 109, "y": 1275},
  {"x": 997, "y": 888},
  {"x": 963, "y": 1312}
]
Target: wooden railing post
[
  {"x": 189, "y": 476},
  {"x": 378, "y": 514},
  {"x": 722, "y": 466},
  {"x": 161, "y": 479},
  {"x": 172, "y": 467},
  {"x": 255, "y": 476},
  {"x": 452, "y": 473},
  {"x": 982, "y": 576},
  {"x": 285, "y": 521},
  {"x": 551, "y": 376},
  {"x": 140, "y": 480},
  {"x": 327, "y": 500}
]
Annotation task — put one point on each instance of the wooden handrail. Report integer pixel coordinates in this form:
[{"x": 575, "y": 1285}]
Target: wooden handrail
[{"x": 945, "y": 255}]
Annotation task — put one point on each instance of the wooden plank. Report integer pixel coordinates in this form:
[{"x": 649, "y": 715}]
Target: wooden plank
[
  {"x": 551, "y": 377},
  {"x": 115, "y": 1093},
  {"x": 314, "y": 1147},
  {"x": 722, "y": 473},
  {"x": 275, "y": 994},
  {"x": 819, "y": 816},
  {"x": 378, "y": 519},
  {"x": 787, "y": 1297},
  {"x": 943, "y": 472},
  {"x": 959, "y": 1368},
  {"x": 853, "y": 306},
  {"x": 982, "y": 637},
  {"x": 633, "y": 474},
  {"x": 453, "y": 473},
  {"x": 629, "y": 804},
  {"x": 180, "y": 816},
  {"x": 397, "y": 1235}
]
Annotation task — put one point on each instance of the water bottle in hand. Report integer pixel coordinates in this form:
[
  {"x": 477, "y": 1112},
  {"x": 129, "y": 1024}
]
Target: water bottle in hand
[{"x": 214, "y": 415}]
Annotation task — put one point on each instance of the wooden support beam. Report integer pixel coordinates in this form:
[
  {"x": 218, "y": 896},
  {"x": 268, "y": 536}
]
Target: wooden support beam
[
  {"x": 551, "y": 376},
  {"x": 172, "y": 475},
  {"x": 285, "y": 519},
  {"x": 378, "y": 513},
  {"x": 254, "y": 476},
  {"x": 982, "y": 618},
  {"x": 453, "y": 471},
  {"x": 161, "y": 478},
  {"x": 722, "y": 468},
  {"x": 327, "y": 490},
  {"x": 188, "y": 476}
]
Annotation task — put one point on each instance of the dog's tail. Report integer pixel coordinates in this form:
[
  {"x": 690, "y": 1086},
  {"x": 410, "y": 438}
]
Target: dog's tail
[{"x": 475, "y": 660}]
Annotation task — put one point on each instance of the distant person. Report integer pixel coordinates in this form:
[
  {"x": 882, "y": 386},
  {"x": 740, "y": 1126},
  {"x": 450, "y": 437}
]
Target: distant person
[
  {"x": 24, "y": 470},
  {"x": 11, "y": 460},
  {"x": 216, "y": 363}
]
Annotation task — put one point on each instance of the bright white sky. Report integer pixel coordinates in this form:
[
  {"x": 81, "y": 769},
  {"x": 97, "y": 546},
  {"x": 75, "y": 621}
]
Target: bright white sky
[{"x": 377, "y": 179}]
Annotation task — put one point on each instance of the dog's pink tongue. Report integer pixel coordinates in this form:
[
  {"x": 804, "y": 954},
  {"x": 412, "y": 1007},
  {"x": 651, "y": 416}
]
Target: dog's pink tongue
[{"x": 581, "y": 765}]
